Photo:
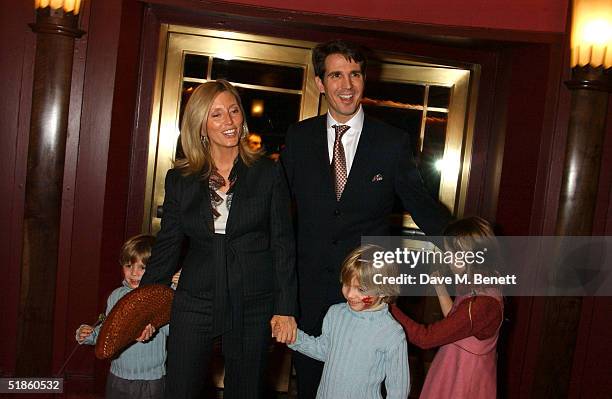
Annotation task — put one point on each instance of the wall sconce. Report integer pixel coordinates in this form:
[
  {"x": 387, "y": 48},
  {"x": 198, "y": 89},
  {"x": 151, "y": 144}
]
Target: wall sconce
[
  {"x": 591, "y": 40},
  {"x": 72, "y": 6},
  {"x": 57, "y": 16},
  {"x": 590, "y": 86}
]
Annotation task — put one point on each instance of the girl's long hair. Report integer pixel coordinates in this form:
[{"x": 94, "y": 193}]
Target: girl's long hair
[{"x": 474, "y": 233}]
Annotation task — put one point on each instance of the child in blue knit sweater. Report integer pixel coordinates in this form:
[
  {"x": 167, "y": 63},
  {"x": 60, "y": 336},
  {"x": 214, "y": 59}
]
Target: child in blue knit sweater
[
  {"x": 140, "y": 369},
  {"x": 361, "y": 343}
]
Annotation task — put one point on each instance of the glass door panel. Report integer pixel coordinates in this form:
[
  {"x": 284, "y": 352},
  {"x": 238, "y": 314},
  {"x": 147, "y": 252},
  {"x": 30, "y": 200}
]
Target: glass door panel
[{"x": 430, "y": 103}]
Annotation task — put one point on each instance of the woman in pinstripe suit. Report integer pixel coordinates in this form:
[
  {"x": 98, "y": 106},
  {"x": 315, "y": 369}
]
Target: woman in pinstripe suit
[{"x": 238, "y": 278}]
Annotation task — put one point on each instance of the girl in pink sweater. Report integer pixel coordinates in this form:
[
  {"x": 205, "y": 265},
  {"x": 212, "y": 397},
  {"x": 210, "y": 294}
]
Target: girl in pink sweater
[{"x": 466, "y": 363}]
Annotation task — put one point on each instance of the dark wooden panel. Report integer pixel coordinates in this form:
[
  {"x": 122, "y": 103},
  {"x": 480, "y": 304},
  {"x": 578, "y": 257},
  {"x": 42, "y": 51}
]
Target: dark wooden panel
[
  {"x": 593, "y": 356},
  {"x": 64, "y": 308},
  {"x": 140, "y": 138},
  {"x": 525, "y": 114},
  {"x": 16, "y": 71},
  {"x": 602, "y": 222},
  {"x": 362, "y": 18},
  {"x": 529, "y": 68},
  {"x": 83, "y": 298},
  {"x": 119, "y": 157},
  {"x": 63, "y": 273}
]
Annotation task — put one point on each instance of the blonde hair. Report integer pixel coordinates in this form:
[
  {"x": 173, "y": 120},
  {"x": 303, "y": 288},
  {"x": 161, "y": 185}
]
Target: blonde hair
[
  {"x": 196, "y": 157},
  {"x": 359, "y": 264},
  {"x": 474, "y": 233},
  {"x": 135, "y": 249}
]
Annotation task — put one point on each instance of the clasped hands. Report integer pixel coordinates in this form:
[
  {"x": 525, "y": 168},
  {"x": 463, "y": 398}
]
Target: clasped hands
[{"x": 284, "y": 329}]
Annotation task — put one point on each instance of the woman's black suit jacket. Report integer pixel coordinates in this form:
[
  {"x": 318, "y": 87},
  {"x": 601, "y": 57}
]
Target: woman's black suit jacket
[{"x": 254, "y": 259}]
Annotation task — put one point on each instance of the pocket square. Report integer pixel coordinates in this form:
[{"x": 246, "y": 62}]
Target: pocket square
[{"x": 377, "y": 177}]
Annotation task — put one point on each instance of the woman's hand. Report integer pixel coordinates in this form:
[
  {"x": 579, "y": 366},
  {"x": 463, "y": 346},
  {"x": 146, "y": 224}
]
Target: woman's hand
[
  {"x": 146, "y": 334},
  {"x": 284, "y": 329}
]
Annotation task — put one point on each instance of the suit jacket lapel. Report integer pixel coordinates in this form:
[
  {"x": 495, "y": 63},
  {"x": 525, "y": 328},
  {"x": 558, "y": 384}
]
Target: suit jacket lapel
[
  {"x": 361, "y": 162},
  {"x": 206, "y": 207}
]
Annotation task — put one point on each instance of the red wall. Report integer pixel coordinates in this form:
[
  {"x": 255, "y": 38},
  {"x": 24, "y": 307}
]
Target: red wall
[
  {"x": 526, "y": 15},
  {"x": 16, "y": 65}
]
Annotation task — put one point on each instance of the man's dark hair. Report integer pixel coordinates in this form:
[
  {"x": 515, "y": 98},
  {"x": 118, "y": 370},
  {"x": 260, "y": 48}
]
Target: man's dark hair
[{"x": 350, "y": 51}]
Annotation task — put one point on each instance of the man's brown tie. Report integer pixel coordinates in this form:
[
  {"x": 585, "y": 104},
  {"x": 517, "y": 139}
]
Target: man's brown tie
[{"x": 339, "y": 160}]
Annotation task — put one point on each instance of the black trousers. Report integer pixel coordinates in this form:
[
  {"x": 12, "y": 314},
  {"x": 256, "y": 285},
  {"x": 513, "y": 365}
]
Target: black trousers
[
  {"x": 308, "y": 372},
  {"x": 245, "y": 349}
]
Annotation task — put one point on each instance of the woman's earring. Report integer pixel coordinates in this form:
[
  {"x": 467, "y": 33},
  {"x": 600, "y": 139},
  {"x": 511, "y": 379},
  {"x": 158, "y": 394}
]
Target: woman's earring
[{"x": 204, "y": 141}]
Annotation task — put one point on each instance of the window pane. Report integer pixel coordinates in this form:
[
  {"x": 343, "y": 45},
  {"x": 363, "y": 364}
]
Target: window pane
[
  {"x": 254, "y": 73},
  {"x": 270, "y": 114},
  {"x": 409, "y": 120},
  {"x": 403, "y": 93},
  {"x": 439, "y": 96},
  {"x": 196, "y": 66},
  {"x": 433, "y": 151}
]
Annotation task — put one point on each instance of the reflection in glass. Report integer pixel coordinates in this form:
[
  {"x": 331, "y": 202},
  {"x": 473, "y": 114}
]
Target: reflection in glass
[
  {"x": 408, "y": 120},
  {"x": 255, "y": 73},
  {"x": 274, "y": 113},
  {"x": 431, "y": 161},
  {"x": 407, "y": 107},
  {"x": 395, "y": 92}
]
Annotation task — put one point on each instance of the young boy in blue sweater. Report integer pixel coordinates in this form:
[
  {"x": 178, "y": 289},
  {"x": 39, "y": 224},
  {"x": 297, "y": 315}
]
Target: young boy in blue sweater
[
  {"x": 361, "y": 343},
  {"x": 140, "y": 369}
]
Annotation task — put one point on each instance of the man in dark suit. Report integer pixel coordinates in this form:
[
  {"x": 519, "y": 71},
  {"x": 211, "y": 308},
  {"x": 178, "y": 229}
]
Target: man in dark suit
[{"x": 344, "y": 170}]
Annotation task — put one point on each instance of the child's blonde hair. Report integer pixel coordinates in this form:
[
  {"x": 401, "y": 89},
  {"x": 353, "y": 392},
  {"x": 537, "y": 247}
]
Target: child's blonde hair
[
  {"x": 474, "y": 233},
  {"x": 135, "y": 249},
  {"x": 360, "y": 264}
]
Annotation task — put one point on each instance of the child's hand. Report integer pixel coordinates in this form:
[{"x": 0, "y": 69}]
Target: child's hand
[
  {"x": 284, "y": 329},
  {"x": 83, "y": 332},
  {"x": 146, "y": 334}
]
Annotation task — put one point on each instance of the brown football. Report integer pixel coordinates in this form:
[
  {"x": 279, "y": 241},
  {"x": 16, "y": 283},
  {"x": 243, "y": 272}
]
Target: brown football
[{"x": 127, "y": 319}]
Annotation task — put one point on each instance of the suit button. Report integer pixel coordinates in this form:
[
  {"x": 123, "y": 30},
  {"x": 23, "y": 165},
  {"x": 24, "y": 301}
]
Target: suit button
[
  {"x": 337, "y": 212},
  {"x": 335, "y": 242}
]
